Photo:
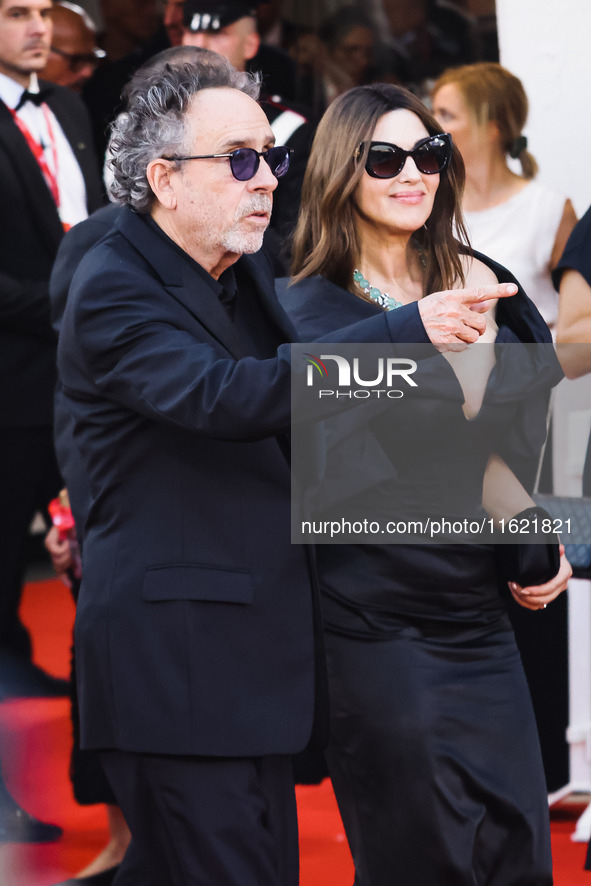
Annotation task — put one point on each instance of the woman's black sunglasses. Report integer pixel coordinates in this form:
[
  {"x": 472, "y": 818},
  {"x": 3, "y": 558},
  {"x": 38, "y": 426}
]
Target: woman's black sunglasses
[
  {"x": 431, "y": 155},
  {"x": 244, "y": 162}
]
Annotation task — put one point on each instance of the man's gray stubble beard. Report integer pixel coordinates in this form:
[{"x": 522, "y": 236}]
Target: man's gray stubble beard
[{"x": 242, "y": 242}]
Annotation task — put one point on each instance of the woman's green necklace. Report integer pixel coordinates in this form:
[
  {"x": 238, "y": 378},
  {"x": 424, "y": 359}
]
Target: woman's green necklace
[
  {"x": 388, "y": 302},
  {"x": 381, "y": 298}
]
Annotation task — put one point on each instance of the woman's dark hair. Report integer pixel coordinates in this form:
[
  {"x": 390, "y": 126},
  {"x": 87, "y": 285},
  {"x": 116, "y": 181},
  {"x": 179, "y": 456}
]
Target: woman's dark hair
[{"x": 326, "y": 240}]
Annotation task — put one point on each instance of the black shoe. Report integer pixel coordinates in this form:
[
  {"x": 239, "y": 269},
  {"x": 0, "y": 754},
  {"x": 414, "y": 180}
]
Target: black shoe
[
  {"x": 20, "y": 678},
  {"x": 105, "y": 878},
  {"x": 17, "y": 826}
]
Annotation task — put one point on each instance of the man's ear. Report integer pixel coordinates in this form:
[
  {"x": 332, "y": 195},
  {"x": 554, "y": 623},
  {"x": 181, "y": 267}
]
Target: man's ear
[
  {"x": 251, "y": 45},
  {"x": 160, "y": 174}
]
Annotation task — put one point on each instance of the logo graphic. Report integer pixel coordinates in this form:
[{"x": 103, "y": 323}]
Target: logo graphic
[
  {"x": 315, "y": 362},
  {"x": 377, "y": 379},
  {"x": 385, "y": 372}
]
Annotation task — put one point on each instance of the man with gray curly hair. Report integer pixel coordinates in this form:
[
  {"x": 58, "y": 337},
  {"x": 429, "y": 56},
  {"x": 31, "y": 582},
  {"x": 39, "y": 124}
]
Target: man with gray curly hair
[
  {"x": 151, "y": 141},
  {"x": 194, "y": 636}
]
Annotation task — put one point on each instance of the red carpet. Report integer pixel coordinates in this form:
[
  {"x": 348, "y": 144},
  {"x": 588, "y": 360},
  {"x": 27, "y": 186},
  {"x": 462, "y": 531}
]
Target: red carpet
[{"x": 36, "y": 739}]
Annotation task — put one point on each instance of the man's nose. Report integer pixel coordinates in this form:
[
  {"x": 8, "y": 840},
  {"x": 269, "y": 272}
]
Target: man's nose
[
  {"x": 264, "y": 180},
  {"x": 39, "y": 24}
]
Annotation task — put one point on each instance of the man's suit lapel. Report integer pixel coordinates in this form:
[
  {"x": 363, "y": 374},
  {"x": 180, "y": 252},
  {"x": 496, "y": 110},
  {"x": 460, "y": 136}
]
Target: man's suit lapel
[
  {"x": 262, "y": 277},
  {"x": 265, "y": 285},
  {"x": 26, "y": 169},
  {"x": 206, "y": 307},
  {"x": 185, "y": 285},
  {"x": 182, "y": 282}
]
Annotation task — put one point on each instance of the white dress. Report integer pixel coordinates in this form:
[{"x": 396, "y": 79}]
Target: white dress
[{"x": 520, "y": 235}]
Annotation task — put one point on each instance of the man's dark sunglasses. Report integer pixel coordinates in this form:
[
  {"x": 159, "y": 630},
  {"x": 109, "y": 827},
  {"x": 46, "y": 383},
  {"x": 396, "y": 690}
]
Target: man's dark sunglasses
[
  {"x": 79, "y": 60},
  {"x": 431, "y": 155},
  {"x": 244, "y": 162}
]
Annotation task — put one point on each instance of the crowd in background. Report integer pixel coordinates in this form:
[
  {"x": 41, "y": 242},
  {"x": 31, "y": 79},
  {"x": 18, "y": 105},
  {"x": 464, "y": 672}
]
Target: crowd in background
[
  {"x": 308, "y": 53},
  {"x": 332, "y": 46}
]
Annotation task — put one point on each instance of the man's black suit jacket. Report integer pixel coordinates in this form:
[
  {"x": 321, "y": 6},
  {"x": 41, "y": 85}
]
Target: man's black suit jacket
[
  {"x": 194, "y": 630},
  {"x": 30, "y": 233}
]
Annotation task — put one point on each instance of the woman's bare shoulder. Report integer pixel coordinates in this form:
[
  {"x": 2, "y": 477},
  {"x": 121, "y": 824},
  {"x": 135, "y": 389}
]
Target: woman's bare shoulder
[{"x": 477, "y": 273}]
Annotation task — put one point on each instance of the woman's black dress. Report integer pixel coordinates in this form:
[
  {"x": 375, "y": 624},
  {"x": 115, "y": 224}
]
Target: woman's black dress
[{"x": 434, "y": 753}]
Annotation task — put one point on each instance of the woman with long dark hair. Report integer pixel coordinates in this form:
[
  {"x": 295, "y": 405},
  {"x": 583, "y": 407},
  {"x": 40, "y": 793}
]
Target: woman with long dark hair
[{"x": 433, "y": 752}]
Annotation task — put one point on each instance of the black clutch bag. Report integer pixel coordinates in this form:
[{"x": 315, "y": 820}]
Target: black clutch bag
[{"x": 530, "y": 563}]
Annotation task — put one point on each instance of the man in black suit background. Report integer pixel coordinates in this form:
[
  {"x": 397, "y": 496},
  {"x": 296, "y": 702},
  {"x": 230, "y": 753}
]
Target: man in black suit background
[{"x": 48, "y": 181}]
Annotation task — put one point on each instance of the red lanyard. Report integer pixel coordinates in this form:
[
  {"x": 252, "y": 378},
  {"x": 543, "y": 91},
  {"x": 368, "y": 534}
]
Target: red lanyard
[{"x": 38, "y": 151}]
